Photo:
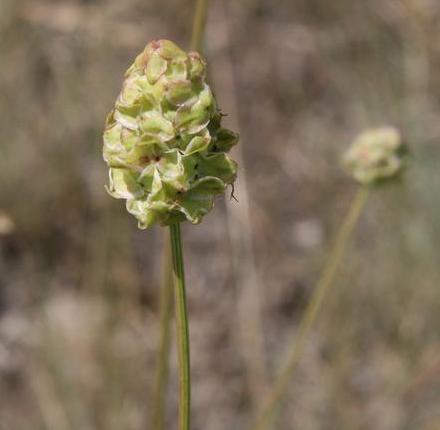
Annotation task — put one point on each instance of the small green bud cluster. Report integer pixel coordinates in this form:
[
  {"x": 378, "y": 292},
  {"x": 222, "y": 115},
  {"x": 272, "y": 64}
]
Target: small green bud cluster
[
  {"x": 376, "y": 155},
  {"x": 164, "y": 143}
]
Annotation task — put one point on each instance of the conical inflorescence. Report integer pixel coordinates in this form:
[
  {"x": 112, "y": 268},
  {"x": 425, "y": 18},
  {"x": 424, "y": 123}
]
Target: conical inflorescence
[{"x": 164, "y": 143}]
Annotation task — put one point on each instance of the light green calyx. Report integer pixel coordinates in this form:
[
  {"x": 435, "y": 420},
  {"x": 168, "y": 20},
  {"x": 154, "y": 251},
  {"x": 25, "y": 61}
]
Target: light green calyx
[
  {"x": 163, "y": 141},
  {"x": 376, "y": 156}
]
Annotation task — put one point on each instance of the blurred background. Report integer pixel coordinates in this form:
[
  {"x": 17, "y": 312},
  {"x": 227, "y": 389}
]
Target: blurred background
[{"x": 80, "y": 284}]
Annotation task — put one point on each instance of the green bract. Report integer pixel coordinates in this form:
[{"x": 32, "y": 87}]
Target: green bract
[
  {"x": 163, "y": 141},
  {"x": 376, "y": 156}
]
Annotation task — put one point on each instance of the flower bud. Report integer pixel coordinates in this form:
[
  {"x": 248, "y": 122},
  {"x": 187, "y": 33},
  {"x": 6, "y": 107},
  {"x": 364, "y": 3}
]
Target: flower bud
[
  {"x": 163, "y": 141},
  {"x": 376, "y": 156}
]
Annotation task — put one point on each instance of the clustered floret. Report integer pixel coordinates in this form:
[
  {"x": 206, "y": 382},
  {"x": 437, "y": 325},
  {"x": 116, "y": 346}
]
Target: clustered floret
[{"x": 376, "y": 155}]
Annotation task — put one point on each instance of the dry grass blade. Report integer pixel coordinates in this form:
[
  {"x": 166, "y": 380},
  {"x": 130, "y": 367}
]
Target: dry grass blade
[{"x": 249, "y": 301}]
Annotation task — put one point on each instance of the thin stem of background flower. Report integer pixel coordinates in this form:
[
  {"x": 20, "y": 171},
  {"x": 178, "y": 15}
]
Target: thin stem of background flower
[
  {"x": 182, "y": 328},
  {"x": 166, "y": 306},
  {"x": 199, "y": 23},
  {"x": 324, "y": 284}
]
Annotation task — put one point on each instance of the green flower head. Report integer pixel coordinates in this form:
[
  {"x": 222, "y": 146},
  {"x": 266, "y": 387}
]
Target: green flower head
[
  {"x": 376, "y": 156},
  {"x": 163, "y": 142}
]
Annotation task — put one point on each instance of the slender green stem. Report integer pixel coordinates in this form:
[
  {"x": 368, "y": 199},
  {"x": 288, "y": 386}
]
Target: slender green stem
[
  {"x": 182, "y": 328},
  {"x": 324, "y": 283},
  {"x": 166, "y": 305},
  {"x": 199, "y": 25},
  {"x": 198, "y": 28}
]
